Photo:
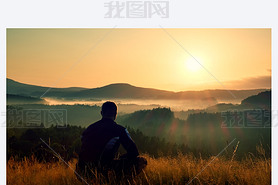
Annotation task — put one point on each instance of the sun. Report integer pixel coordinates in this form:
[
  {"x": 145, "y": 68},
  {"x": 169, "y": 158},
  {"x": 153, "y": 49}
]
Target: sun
[{"x": 192, "y": 65}]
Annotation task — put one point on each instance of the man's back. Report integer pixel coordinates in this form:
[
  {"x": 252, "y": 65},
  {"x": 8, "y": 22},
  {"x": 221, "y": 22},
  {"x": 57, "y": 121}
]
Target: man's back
[{"x": 101, "y": 140}]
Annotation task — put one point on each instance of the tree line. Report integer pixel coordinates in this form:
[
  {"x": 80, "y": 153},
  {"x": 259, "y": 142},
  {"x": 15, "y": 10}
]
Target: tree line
[{"x": 66, "y": 142}]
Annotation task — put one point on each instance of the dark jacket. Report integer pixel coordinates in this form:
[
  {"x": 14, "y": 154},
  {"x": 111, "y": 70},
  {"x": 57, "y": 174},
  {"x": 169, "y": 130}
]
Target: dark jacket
[{"x": 101, "y": 140}]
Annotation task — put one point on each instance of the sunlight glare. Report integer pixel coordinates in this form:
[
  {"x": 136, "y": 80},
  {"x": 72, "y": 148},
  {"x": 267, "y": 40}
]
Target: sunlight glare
[{"x": 192, "y": 65}]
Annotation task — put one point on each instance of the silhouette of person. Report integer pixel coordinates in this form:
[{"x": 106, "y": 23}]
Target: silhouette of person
[{"x": 100, "y": 143}]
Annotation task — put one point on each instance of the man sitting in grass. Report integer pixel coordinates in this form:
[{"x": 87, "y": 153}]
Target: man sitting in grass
[{"x": 100, "y": 143}]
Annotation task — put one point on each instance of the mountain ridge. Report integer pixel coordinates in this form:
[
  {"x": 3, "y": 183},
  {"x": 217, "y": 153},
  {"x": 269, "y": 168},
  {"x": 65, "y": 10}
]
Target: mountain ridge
[{"x": 124, "y": 91}]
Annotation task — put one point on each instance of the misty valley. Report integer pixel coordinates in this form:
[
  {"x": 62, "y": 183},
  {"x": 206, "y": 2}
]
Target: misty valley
[{"x": 160, "y": 127}]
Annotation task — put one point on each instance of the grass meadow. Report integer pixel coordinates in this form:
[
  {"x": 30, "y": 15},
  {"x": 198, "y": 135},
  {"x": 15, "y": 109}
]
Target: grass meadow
[{"x": 164, "y": 170}]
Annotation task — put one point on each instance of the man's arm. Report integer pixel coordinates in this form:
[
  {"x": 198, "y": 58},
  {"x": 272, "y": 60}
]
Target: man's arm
[{"x": 129, "y": 145}]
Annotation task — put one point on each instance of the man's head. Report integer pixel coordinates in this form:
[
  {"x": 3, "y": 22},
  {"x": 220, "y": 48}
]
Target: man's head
[{"x": 109, "y": 110}]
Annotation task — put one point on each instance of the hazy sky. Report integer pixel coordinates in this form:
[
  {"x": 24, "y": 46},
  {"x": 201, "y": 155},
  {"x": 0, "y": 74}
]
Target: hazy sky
[{"x": 238, "y": 58}]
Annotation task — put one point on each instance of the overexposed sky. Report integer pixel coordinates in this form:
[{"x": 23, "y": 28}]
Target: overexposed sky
[{"x": 237, "y": 58}]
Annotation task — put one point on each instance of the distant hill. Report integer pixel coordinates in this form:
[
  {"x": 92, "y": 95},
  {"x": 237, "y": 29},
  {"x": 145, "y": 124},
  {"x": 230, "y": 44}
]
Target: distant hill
[
  {"x": 261, "y": 100},
  {"x": 122, "y": 90},
  {"x": 125, "y": 91},
  {"x": 155, "y": 122},
  {"x": 128, "y": 91},
  {"x": 14, "y": 87},
  {"x": 18, "y": 99},
  {"x": 221, "y": 107}
]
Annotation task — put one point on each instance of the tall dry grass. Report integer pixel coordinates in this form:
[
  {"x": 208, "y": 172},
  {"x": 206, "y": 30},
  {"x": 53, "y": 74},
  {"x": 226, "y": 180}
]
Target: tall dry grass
[{"x": 165, "y": 170}]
